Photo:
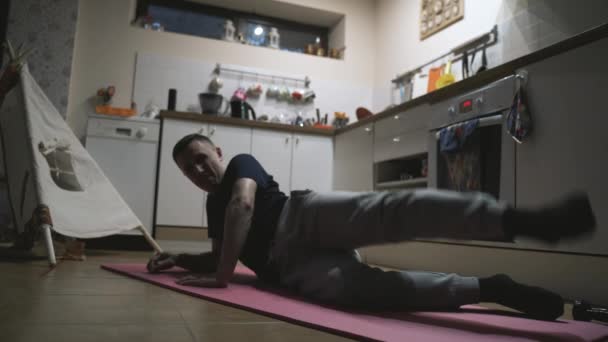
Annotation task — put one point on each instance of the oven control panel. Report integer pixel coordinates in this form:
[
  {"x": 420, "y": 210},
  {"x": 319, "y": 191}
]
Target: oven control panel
[
  {"x": 492, "y": 98},
  {"x": 465, "y": 106}
]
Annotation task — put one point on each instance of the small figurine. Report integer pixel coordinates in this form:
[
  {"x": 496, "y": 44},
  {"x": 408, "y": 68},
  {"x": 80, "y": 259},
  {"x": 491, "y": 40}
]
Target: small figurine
[{"x": 106, "y": 94}]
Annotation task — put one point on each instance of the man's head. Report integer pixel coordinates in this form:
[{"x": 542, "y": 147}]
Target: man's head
[{"x": 200, "y": 160}]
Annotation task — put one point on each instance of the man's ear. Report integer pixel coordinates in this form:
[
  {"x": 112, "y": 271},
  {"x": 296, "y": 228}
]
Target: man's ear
[{"x": 219, "y": 153}]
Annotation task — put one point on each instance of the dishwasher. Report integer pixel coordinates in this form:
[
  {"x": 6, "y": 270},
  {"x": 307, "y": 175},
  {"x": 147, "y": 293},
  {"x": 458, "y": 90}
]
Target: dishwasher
[{"x": 126, "y": 151}]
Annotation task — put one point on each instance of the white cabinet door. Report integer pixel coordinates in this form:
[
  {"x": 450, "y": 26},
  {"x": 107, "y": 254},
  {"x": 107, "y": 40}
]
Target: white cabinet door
[
  {"x": 273, "y": 150},
  {"x": 179, "y": 203},
  {"x": 354, "y": 165},
  {"x": 231, "y": 140},
  {"x": 312, "y": 163}
]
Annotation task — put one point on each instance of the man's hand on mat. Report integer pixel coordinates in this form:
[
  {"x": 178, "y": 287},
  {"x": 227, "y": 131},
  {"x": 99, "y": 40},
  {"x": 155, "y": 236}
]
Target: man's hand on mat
[
  {"x": 200, "y": 281},
  {"x": 161, "y": 261}
]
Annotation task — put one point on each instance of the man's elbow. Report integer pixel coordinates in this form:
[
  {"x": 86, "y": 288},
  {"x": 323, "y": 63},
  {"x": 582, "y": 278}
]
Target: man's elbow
[{"x": 242, "y": 203}]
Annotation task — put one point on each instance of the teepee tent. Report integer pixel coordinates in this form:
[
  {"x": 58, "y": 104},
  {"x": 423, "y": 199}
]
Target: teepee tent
[{"x": 53, "y": 181}]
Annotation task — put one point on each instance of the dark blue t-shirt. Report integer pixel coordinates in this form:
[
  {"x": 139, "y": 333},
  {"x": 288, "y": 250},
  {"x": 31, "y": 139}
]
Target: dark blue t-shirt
[{"x": 269, "y": 202}]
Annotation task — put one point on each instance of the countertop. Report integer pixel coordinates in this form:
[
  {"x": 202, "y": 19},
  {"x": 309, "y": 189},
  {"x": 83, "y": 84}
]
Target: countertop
[
  {"x": 455, "y": 89},
  {"x": 245, "y": 123}
]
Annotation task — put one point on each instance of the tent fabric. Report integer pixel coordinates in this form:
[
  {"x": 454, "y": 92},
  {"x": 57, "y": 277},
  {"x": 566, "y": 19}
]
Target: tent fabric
[{"x": 47, "y": 165}]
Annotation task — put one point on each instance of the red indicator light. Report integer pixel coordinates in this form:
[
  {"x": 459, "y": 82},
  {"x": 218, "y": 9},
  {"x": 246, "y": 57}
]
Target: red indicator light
[{"x": 467, "y": 103}]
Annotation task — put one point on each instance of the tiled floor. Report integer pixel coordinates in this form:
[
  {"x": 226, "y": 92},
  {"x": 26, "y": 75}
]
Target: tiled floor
[{"x": 80, "y": 302}]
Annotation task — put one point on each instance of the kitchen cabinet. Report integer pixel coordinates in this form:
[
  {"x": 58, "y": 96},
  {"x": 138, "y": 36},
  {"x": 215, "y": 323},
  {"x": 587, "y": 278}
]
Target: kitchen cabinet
[
  {"x": 181, "y": 203},
  {"x": 230, "y": 139},
  {"x": 353, "y": 160},
  {"x": 296, "y": 161},
  {"x": 402, "y": 135},
  {"x": 273, "y": 150},
  {"x": 567, "y": 149},
  {"x": 312, "y": 163}
]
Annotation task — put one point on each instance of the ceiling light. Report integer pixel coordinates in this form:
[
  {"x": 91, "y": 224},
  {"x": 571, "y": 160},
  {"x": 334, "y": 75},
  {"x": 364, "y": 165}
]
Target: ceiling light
[{"x": 258, "y": 31}]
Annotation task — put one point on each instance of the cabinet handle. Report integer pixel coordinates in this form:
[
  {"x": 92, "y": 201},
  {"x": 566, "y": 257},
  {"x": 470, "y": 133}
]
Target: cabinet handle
[
  {"x": 287, "y": 140},
  {"x": 368, "y": 129},
  {"x": 297, "y": 140},
  {"x": 396, "y": 117},
  {"x": 397, "y": 139},
  {"x": 201, "y": 131},
  {"x": 212, "y": 131}
]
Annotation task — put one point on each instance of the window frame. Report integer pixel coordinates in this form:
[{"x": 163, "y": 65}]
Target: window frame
[{"x": 236, "y": 16}]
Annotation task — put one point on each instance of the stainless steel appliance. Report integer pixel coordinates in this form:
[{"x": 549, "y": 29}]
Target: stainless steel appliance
[{"x": 486, "y": 161}]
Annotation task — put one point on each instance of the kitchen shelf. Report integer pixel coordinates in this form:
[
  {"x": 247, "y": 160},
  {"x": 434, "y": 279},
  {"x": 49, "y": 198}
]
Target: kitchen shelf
[{"x": 402, "y": 183}]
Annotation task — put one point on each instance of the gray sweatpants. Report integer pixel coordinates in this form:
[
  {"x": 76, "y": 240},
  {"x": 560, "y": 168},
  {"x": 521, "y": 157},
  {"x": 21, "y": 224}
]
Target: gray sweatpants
[{"x": 318, "y": 232}]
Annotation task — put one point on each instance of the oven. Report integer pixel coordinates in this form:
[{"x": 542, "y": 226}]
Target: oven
[{"x": 469, "y": 146}]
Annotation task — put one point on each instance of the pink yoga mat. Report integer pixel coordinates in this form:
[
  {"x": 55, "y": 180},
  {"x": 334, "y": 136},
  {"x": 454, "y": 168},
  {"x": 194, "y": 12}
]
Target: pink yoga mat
[{"x": 471, "y": 323}]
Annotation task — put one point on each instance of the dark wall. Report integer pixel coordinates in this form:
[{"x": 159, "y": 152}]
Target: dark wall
[
  {"x": 4, "y": 10},
  {"x": 49, "y": 27}
]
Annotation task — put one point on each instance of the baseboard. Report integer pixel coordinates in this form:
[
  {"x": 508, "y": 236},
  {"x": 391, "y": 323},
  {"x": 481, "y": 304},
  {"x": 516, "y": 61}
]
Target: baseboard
[
  {"x": 180, "y": 233},
  {"x": 119, "y": 242}
]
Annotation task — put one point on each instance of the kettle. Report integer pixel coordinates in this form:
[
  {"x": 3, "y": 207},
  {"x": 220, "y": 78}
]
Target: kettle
[{"x": 241, "y": 109}]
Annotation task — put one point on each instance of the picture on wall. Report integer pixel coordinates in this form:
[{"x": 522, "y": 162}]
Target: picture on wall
[{"x": 435, "y": 15}]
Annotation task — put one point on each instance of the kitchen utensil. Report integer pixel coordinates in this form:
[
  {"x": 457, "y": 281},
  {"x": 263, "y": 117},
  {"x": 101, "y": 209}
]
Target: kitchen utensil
[
  {"x": 240, "y": 94},
  {"x": 215, "y": 84},
  {"x": 285, "y": 94},
  {"x": 434, "y": 74},
  {"x": 446, "y": 78},
  {"x": 299, "y": 121},
  {"x": 297, "y": 95},
  {"x": 241, "y": 109},
  {"x": 272, "y": 91},
  {"x": 308, "y": 95},
  {"x": 363, "y": 113},
  {"x": 211, "y": 103},
  {"x": 255, "y": 90},
  {"x": 465, "y": 65},
  {"x": 484, "y": 60}
]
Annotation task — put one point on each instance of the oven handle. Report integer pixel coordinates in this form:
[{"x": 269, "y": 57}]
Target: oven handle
[{"x": 485, "y": 121}]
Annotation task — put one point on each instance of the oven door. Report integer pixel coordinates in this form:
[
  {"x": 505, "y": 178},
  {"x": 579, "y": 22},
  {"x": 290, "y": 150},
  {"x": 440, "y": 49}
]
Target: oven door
[{"x": 485, "y": 162}]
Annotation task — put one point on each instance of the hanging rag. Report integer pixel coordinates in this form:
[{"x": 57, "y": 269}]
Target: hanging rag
[{"x": 452, "y": 138}]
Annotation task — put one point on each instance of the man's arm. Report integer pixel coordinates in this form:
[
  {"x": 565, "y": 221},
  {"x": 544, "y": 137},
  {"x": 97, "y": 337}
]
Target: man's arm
[
  {"x": 199, "y": 263},
  {"x": 237, "y": 223}
]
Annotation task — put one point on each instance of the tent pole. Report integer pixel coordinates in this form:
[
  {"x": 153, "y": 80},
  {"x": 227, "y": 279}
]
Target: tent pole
[
  {"x": 48, "y": 239},
  {"x": 150, "y": 240}
]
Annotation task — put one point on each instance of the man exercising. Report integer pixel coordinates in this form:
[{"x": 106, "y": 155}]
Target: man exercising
[{"x": 306, "y": 242}]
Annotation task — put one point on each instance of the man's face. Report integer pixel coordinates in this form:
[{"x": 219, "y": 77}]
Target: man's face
[{"x": 202, "y": 164}]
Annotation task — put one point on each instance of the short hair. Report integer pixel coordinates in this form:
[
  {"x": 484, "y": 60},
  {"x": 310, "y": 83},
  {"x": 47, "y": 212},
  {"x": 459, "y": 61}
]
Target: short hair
[{"x": 181, "y": 145}]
